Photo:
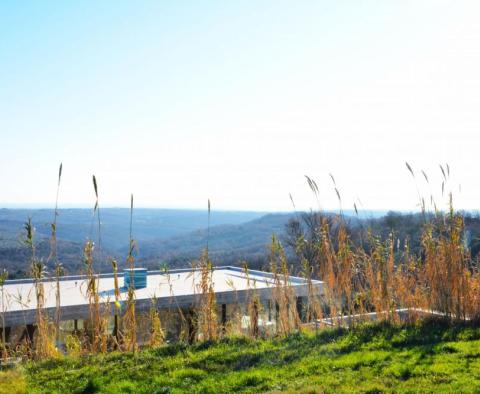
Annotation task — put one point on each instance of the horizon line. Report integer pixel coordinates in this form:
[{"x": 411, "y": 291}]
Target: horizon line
[{"x": 41, "y": 206}]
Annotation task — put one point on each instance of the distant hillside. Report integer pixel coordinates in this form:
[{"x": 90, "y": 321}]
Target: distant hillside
[
  {"x": 15, "y": 258},
  {"x": 150, "y": 228},
  {"x": 76, "y": 225},
  {"x": 228, "y": 244},
  {"x": 176, "y": 237}
]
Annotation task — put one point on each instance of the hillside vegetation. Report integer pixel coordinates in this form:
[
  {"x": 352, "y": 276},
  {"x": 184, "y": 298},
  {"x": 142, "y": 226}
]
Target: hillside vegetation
[
  {"x": 162, "y": 235},
  {"x": 75, "y": 225},
  {"x": 176, "y": 238},
  {"x": 433, "y": 356}
]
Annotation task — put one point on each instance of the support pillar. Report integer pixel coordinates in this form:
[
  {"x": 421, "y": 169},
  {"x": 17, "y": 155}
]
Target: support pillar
[
  {"x": 115, "y": 327},
  {"x": 224, "y": 318},
  {"x": 254, "y": 322},
  {"x": 75, "y": 326},
  {"x": 300, "y": 311},
  {"x": 27, "y": 334},
  {"x": 277, "y": 314},
  {"x": 30, "y": 330},
  {"x": 192, "y": 325},
  {"x": 7, "y": 334}
]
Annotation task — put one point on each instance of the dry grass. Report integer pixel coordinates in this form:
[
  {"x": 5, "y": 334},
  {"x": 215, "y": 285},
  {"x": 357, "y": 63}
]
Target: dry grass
[
  {"x": 3, "y": 278},
  {"x": 129, "y": 318},
  {"x": 283, "y": 296},
  {"x": 94, "y": 330},
  {"x": 157, "y": 335},
  {"x": 44, "y": 346},
  {"x": 207, "y": 310},
  {"x": 53, "y": 256}
]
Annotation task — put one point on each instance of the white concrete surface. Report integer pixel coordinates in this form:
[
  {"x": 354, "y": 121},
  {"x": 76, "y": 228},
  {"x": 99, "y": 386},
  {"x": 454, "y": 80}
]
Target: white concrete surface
[{"x": 20, "y": 295}]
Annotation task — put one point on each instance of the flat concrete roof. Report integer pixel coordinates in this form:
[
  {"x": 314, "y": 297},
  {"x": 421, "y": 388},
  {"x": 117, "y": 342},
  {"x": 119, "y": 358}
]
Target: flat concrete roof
[{"x": 176, "y": 288}]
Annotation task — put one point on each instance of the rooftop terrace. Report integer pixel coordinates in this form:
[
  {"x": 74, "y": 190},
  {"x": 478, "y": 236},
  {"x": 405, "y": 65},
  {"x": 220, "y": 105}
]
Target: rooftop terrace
[{"x": 177, "y": 288}]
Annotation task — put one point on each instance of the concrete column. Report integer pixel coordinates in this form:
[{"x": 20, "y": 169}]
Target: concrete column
[
  {"x": 277, "y": 314},
  {"x": 192, "y": 325},
  {"x": 75, "y": 326},
  {"x": 254, "y": 323},
  {"x": 300, "y": 311},
  {"x": 7, "y": 334},
  {"x": 224, "y": 317},
  {"x": 28, "y": 333},
  {"x": 115, "y": 327}
]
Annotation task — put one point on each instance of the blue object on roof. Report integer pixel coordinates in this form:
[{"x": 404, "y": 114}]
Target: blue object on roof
[{"x": 135, "y": 277}]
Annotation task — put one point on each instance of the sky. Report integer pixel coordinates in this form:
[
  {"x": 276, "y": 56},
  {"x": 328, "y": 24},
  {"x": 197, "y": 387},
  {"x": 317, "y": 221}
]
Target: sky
[{"x": 179, "y": 102}]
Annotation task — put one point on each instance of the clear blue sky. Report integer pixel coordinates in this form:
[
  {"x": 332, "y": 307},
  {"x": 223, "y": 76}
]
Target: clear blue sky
[{"x": 178, "y": 102}]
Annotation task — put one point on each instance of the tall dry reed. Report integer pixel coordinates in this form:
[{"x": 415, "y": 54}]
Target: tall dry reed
[
  {"x": 43, "y": 345},
  {"x": 53, "y": 256},
  {"x": 3, "y": 278},
  {"x": 129, "y": 318},
  {"x": 283, "y": 295}
]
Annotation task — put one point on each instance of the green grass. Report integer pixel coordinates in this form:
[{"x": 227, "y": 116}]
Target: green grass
[{"x": 430, "y": 357}]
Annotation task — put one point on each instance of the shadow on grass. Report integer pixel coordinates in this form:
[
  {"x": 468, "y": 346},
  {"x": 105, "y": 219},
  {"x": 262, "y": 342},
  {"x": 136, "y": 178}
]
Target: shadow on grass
[
  {"x": 241, "y": 353},
  {"x": 423, "y": 336}
]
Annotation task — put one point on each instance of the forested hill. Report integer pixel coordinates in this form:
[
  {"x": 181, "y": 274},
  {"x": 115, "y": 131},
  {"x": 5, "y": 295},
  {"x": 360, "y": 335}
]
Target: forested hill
[
  {"x": 76, "y": 225},
  {"x": 174, "y": 237},
  {"x": 228, "y": 244},
  {"x": 161, "y": 235}
]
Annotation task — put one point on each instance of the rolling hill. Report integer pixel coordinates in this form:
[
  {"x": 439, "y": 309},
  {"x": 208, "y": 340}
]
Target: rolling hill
[{"x": 174, "y": 237}]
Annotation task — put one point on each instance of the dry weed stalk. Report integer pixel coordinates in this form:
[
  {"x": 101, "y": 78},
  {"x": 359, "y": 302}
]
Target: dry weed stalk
[
  {"x": 117, "y": 334},
  {"x": 408, "y": 288},
  {"x": 3, "y": 278},
  {"x": 283, "y": 296},
  {"x": 446, "y": 271},
  {"x": 58, "y": 268},
  {"x": 380, "y": 276},
  {"x": 44, "y": 346},
  {"x": 157, "y": 335},
  {"x": 254, "y": 305},
  {"x": 129, "y": 318},
  {"x": 234, "y": 324},
  {"x": 207, "y": 313},
  {"x": 94, "y": 325},
  {"x": 313, "y": 309},
  {"x": 206, "y": 317},
  {"x": 327, "y": 267}
]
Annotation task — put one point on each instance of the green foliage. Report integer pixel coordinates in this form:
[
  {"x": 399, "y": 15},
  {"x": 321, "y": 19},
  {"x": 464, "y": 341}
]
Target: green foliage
[{"x": 433, "y": 356}]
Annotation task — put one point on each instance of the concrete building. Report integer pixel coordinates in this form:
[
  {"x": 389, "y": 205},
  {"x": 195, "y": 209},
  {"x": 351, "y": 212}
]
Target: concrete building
[{"x": 177, "y": 290}]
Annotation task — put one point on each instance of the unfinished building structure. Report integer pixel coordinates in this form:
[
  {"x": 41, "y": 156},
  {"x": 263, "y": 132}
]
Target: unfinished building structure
[{"x": 175, "y": 294}]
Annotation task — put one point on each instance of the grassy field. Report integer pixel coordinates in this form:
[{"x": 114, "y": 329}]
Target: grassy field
[{"x": 429, "y": 357}]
